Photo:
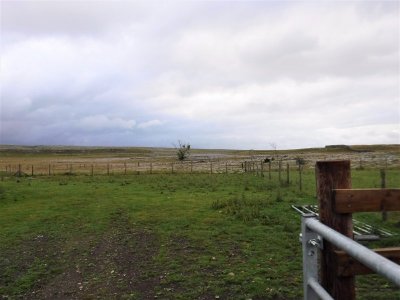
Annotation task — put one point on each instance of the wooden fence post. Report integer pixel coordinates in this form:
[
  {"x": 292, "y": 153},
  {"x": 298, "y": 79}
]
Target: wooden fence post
[
  {"x": 280, "y": 170},
  {"x": 300, "y": 177},
  {"x": 383, "y": 185},
  {"x": 334, "y": 175},
  {"x": 269, "y": 170},
  {"x": 172, "y": 168},
  {"x": 287, "y": 174},
  {"x": 32, "y": 171}
]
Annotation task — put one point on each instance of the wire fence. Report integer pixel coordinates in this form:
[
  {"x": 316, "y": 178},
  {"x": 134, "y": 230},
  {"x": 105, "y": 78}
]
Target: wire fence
[
  {"x": 283, "y": 167},
  {"x": 147, "y": 167}
]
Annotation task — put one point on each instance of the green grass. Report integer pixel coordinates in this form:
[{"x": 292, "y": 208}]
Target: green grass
[{"x": 175, "y": 236}]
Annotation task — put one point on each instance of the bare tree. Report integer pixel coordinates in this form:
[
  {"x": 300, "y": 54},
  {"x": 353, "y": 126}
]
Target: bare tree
[
  {"x": 274, "y": 146},
  {"x": 182, "y": 150}
]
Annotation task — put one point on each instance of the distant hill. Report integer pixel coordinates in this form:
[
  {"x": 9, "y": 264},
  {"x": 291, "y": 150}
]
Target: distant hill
[
  {"x": 365, "y": 148},
  {"x": 154, "y": 151}
]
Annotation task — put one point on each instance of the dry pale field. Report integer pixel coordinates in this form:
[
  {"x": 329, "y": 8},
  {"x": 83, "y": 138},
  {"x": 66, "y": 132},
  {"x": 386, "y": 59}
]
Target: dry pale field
[{"x": 42, "y": 160}]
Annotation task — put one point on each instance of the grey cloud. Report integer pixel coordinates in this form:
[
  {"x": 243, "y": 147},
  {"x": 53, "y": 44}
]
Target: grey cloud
[
  {"x": 68, "y": 17},
  {"x": 222, "y": 73}
]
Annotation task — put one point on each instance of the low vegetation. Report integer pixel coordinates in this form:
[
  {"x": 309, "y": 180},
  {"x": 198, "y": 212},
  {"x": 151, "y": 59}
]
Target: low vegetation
[
  {"x": 182, "y": 150},
  {"x": 165, "y": 236}
]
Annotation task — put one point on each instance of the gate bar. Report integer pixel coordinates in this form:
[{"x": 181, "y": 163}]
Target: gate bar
[
  {"x": 369, "y": 258},
  {"x": 318, "y": 289}
]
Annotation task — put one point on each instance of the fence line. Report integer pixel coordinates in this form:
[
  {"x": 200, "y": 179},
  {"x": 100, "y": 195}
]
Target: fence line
[
  {"x": 256, "y": 167},
  {"x": 141, "y": 167}
]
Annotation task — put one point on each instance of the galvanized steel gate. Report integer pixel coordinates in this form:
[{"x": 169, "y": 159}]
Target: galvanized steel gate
[{"x": 331, "y": 258}]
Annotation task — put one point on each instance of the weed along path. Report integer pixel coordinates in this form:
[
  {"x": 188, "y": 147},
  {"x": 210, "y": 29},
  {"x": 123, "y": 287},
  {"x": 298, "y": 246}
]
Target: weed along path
[{"x": 154, "y": 236}]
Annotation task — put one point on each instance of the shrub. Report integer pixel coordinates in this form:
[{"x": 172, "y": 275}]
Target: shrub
[{"x": 182, "y": 150}]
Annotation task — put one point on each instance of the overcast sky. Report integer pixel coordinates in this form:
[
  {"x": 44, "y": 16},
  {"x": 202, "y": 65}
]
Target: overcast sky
[{"x": 216, "y": 74}]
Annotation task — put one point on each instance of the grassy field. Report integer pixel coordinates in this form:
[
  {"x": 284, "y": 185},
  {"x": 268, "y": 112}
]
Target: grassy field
[{"x": 164, "y": 236}]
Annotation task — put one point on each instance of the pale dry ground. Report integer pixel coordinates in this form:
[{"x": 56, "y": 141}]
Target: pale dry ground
[{"x": 82, "y": 160}]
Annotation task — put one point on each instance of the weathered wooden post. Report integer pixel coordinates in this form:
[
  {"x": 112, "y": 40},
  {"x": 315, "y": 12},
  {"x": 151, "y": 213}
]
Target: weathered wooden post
[
  {"x": 19, "y": 170},
  {"x": 269, "y": 170},
  {"x": 383, "y": 185},
  {"x": 32, "y": 171},
  {"x": 280, "y": 170},
  {"x": 300, "y": 177},
  {"x": 334, "y": 175},
  {"x": 49, "y": 169},
  {"x": 287, "y": 174}
]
